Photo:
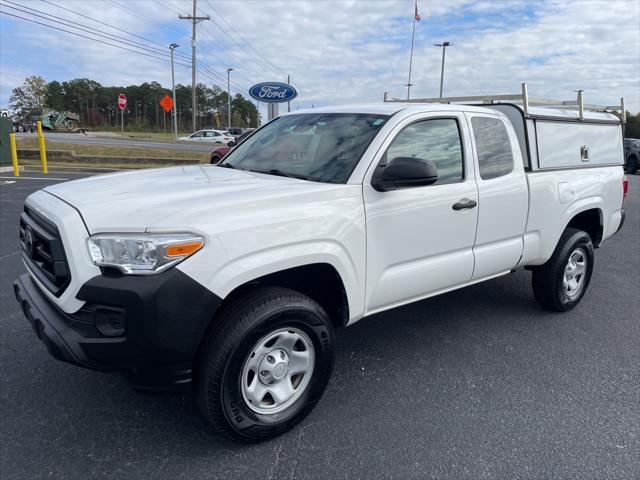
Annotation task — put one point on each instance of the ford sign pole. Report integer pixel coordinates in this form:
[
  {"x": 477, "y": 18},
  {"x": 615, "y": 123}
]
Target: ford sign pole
[
  {"x": 272, "y": 111},
  {"x": 289, "y": 102}
]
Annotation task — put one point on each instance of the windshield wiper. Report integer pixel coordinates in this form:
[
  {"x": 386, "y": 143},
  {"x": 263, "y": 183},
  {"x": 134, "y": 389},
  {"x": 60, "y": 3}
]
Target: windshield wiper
[
  {"x": 280, "y": 173},
  {"x": 225, "y": 165}
]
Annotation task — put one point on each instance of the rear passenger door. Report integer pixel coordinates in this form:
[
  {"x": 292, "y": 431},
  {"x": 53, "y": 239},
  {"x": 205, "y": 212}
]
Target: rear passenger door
[{"x": 503, "y": 195}]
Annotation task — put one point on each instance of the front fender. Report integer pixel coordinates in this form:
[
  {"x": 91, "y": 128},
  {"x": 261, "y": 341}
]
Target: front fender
[{"x": 241, "y": 270}]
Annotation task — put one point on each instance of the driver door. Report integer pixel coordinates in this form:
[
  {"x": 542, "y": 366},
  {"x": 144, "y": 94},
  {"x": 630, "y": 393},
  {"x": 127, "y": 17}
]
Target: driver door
[{"x": 419, "y": 242}]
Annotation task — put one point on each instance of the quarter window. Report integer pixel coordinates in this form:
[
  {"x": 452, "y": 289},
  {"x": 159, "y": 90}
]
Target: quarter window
[
  {"x": 436, "y": 140},
  {"x": 495, "y": 158}
]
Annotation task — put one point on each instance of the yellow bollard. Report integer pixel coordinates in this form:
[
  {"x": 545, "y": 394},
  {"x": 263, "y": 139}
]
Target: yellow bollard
[
  {"x": 43, "y": 149},
  {"x": 14, "y": 154}
]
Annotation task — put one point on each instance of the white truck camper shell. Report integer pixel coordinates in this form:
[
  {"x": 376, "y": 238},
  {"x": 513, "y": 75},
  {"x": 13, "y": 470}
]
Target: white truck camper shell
[{"x": 554, "y": 134}]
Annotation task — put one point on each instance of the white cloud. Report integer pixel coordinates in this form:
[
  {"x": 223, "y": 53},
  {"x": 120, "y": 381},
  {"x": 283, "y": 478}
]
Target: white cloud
[{"x": 352, "y": 51}]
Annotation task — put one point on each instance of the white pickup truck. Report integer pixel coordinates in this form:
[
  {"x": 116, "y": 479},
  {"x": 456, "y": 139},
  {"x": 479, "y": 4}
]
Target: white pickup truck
[{"x": 230, "y": 279}]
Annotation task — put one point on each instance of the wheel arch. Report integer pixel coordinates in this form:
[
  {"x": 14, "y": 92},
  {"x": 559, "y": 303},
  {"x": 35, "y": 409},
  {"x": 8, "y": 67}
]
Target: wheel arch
[
  {"x": 319, "y": 281},
  {"x": 589, "y": 220}
]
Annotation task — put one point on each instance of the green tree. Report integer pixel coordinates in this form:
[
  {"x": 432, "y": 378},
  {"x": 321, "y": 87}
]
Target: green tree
[
  {"x": 97, "y": 105},
  {"x": 244, "y": 112},
  {"x": 28, "y": 99},
  {"x": 54, "y": 96},
  {"x": 632, "y": 127}
]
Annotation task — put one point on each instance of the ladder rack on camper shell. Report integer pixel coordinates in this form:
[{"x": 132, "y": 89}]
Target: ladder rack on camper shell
[{"x": 525, "y": 101}]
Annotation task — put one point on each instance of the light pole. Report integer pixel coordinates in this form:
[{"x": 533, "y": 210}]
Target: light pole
[
  {"x": 172, "y": 47},
  {"x": 229, "y": 70},
  {"x": 444, "y": 46}
]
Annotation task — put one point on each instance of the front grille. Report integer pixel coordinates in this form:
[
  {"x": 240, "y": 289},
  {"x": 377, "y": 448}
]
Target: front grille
[{"x": 43, "y": 252}]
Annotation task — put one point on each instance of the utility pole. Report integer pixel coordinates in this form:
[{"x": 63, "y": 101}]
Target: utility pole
[
  {"x": 229, "y": 70},
  {"x": 444, "y": 46},
  {"x": 172, "y": 47},
  {"x": 194, "y": 20}
]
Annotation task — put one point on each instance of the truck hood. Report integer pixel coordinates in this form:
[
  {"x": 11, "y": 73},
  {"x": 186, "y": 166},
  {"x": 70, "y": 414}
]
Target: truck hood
[{"x": 137, "y": 200}]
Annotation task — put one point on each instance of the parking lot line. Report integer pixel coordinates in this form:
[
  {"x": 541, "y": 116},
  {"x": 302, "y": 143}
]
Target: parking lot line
[{"x": 33, "y": 178}]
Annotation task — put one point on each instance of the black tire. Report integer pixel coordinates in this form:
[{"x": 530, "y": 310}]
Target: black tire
[
  {"x": 632, "y": 165},
  {"x": 548, "y": 279},
  {"x": 215, "y": 159},
  {"x": 230, "y": 343}
]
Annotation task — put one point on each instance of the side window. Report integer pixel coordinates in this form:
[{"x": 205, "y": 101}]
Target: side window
[
  {"x": 495, "y": 158},
  {"x": 436, "y": 140}
]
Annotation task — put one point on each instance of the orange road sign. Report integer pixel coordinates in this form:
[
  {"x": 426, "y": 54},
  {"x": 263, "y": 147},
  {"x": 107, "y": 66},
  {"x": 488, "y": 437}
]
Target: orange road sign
[{"x": 166, "y": 103}]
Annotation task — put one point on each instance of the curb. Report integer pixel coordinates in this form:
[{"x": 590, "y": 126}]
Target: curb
[{"x": 68, "y": 156}]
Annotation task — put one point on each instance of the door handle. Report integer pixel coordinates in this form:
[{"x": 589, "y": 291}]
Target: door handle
[{"x": 462, "y": 204}]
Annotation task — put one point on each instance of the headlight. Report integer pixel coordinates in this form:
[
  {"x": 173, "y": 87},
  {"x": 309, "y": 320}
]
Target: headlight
[{"x": 142, "y": 254}]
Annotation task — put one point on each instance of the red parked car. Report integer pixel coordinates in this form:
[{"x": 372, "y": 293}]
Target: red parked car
[{"x": 220, "y": 152}]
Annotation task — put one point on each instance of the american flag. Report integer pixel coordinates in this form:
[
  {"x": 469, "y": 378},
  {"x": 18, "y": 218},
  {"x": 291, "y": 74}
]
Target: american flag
[{"x": 417, "y": 16}]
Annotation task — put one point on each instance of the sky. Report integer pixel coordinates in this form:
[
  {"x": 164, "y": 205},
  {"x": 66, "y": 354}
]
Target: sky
[{"x": 338, "y": 51}]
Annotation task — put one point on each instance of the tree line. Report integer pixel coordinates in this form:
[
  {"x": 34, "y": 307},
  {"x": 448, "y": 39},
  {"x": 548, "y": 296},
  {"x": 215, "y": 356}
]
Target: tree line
[{"x": 97, "y": 105}]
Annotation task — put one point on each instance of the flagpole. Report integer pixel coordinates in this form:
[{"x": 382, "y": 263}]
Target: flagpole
[{"x": 413, "y": 34}]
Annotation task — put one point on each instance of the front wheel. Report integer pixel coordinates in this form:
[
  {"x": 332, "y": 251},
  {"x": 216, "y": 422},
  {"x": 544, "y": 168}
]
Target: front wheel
[
  {"x": 632, "y": 165},
  {"x": 562, "y": 281},
  {"x": 265, "y": 364}
]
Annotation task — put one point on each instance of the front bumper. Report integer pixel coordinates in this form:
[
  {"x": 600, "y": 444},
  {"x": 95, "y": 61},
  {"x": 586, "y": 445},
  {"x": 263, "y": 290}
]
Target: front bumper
[{"x": 148, "y": 328}]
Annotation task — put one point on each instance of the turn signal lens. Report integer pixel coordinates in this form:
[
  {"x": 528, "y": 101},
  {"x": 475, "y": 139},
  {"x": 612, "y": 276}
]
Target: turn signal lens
[{"x": 183, "y": 249}]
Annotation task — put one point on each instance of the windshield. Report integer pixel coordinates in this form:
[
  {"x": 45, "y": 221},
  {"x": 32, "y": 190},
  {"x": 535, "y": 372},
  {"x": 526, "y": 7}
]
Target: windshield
[{"x": 323, "y": 147}]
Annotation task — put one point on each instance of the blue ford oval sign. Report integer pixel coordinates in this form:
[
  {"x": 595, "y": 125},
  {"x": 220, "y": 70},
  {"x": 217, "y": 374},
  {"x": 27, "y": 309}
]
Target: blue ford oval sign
[{"x": 273, "y": 92}]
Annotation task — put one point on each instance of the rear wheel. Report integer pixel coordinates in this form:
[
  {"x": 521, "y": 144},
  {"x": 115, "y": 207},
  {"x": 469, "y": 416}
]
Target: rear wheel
[
  {"x": 632, "y": 165},
  {"x": 562, "y": 281},
  {"x": 215, "y": 159},
  {"x": 265, "y": 365}
]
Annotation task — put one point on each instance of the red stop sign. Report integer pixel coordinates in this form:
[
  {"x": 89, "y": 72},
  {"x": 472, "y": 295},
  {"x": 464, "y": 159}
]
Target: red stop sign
[{"x": 122, "y": 101}]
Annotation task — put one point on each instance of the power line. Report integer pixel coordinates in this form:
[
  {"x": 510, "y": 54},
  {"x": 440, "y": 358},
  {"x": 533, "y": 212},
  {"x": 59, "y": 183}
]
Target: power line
[
  {"x": 72, "y": 24},
  {"x": 102, "y": 23},
  {"x": 151, "y": 20},
  {"x": 171, "y": 6},
  {"x": 88, "y": 38},
  {"x": 218, "y": 78},
  {"x": 112, "y": 36},
  {"x": 241, "y": 49},
  {"x": 208, "y": 37},
  {"x": 248, "y": 65},
  {"x": 146, "y": 51},
  {"x": 260, "y": 55},
  {"x": 147, "y": 18}
]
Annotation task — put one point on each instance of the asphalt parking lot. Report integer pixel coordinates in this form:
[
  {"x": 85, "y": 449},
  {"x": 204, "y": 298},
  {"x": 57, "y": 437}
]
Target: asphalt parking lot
[{"x": 478, "y": 383}]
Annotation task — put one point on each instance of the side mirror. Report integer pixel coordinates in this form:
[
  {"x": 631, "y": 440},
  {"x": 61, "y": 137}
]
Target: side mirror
[
  {"x": 231, "y": 144},
  {"x": 405, "y": 172}
]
